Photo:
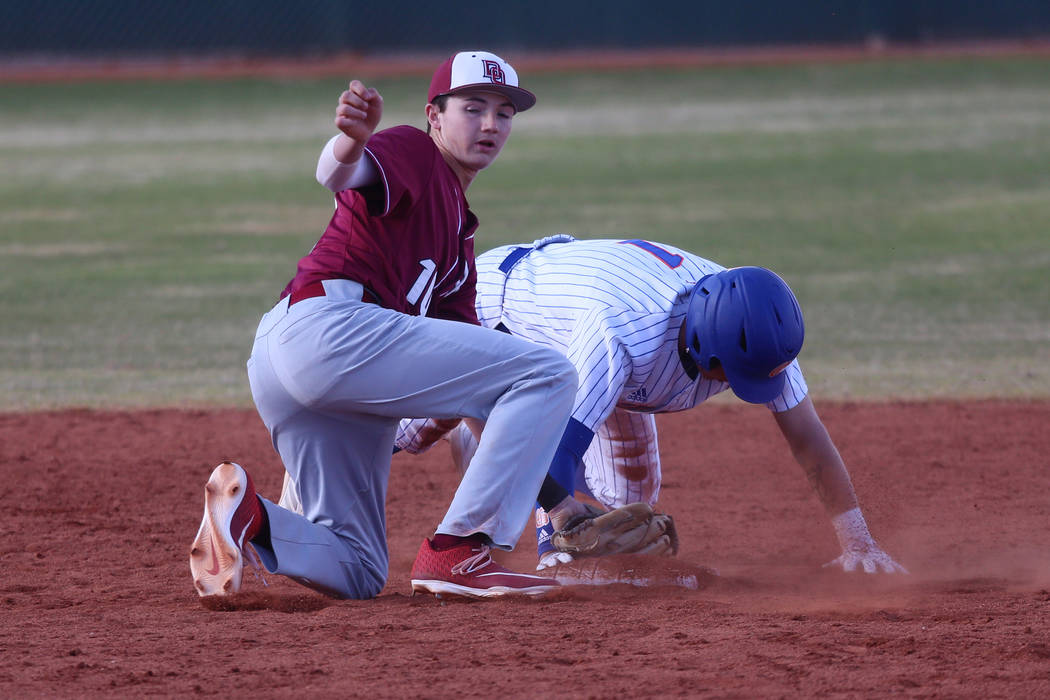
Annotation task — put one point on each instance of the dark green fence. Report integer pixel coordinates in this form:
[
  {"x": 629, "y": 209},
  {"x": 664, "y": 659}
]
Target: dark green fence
[{"x": 74, "y": 27}]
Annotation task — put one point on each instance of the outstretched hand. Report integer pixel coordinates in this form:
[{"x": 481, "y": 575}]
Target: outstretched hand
[
  {"x": 359, "y": 111},
  {"x": 870, "y": 558}
]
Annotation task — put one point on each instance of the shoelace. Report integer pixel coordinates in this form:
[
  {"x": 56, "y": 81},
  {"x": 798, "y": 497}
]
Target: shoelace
[{"x": 472, "y": 564}]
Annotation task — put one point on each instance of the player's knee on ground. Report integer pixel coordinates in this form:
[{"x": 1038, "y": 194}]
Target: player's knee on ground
[
  {"x": 360, "y": 584},
  {"x": 369, "y": 588},
  {"x": 366, "y": 579}
]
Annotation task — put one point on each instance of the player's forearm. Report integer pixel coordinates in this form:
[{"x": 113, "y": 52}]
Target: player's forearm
[
  {"x": 341, "y": 165},
  {"x": 819, "y": 458},
  {"x": 827, "y": 475},
  {"x": 347, "y": 150}
]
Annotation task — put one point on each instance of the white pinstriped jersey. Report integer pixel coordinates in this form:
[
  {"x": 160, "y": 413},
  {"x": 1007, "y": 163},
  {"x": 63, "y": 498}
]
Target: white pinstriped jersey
[{"x": 614, "y": 307}]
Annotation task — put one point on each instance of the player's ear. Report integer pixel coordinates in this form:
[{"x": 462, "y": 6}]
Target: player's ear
[{"x": 432, "y": 112}]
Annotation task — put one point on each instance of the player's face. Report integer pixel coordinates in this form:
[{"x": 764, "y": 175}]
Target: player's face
[{"x": 473, "y": 127}]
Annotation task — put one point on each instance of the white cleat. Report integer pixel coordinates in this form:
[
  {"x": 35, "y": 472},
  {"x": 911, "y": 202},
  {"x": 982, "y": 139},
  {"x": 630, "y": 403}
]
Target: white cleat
[{"x": 231, "y": 511}]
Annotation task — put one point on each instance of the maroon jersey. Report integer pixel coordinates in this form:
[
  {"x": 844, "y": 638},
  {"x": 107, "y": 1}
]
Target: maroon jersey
[{"x": 409, "y": 239}]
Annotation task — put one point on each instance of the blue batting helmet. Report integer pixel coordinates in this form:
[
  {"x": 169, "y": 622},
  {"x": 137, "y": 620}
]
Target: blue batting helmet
[{"x": 747, "y": 321}]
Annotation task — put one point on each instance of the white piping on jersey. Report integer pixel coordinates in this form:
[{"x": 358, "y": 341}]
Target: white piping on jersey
[
  {"x": 461, "y": 282},
  {"x": 453, "y": 268},
  {"x": 386, "y": 183}
]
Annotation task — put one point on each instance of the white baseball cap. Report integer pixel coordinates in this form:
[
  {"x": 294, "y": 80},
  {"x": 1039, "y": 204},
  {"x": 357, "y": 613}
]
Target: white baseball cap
[{"x": 479, "y": 70}]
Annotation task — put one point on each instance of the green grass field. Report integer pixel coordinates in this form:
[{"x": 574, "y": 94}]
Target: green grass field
[{"x": 145, "y": 226}]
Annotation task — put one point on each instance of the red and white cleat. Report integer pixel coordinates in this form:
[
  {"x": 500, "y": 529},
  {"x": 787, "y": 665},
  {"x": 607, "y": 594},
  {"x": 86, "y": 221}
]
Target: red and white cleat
[{"x": 468, "y": 570}]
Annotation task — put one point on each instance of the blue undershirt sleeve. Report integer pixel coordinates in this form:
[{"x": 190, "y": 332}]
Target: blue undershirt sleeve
[{"x": 574, "y": 443}]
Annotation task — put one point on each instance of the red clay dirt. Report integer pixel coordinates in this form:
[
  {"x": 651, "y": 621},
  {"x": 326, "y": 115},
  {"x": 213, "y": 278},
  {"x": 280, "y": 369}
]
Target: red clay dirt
[{"x": 101, "y": 506}]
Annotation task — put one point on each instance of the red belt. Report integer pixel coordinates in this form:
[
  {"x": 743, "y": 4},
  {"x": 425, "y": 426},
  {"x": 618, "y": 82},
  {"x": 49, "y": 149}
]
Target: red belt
[{"x": 316, "y": 289}]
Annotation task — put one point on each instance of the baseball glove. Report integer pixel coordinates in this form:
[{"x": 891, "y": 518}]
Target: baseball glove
[{"x": 630, "y": 529}]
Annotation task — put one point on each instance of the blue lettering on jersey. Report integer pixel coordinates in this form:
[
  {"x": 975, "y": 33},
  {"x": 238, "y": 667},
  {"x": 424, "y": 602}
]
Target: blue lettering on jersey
[{"x": 672, "y": 260}]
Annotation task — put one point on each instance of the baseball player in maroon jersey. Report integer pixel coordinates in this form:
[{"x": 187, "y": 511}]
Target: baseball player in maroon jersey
[{"x": 379, "y": 323}]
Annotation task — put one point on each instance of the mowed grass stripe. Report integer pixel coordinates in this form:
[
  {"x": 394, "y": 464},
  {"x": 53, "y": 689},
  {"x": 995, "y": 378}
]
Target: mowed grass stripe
[{"x": 145, "y": 227}]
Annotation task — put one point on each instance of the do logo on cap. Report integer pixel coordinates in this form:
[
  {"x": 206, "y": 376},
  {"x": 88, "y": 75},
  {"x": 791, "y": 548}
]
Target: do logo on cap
[
  {"x": 479, "y": 70},
  {"x": 494, "y": 73}
]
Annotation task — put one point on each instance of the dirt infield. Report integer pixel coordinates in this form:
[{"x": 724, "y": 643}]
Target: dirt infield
[{"x": 100, "y": 509}]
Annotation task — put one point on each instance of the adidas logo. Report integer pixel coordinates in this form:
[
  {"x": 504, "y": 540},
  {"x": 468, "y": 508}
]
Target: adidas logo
[{"x": 637, "y": 396}]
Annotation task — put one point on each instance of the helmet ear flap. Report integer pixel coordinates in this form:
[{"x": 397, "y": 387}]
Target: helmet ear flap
[
  {"x": 694, "y": 347},
  {"x": 695, "y": 319}
]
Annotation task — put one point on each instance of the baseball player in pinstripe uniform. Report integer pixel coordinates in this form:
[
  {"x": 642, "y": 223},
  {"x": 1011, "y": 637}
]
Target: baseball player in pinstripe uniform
[
  {"x": 379, "y": 323},
  {"x": 651, "y": 329}
]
